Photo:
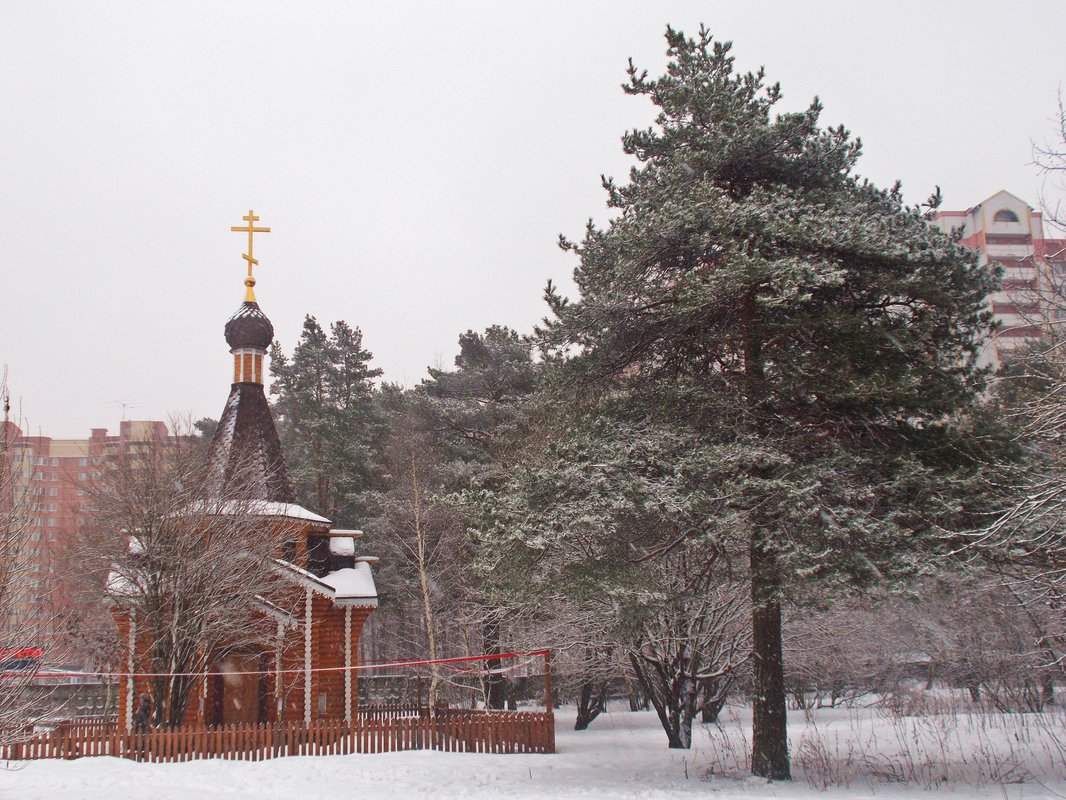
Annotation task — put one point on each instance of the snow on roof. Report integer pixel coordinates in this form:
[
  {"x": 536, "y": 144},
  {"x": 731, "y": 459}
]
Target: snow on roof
[
  {"x": 270, "y": 508},
  {"x": 118, "y": 585},
  {"x": 343, "y": 590},
  {"x": 352, "y": 583},
  {"x": 342, "y": 545}
]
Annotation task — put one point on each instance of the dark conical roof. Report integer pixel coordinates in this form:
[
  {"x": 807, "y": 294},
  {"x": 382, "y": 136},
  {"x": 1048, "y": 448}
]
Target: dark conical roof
[
  {"x": 249, "y": 327},
  {"x": 246, "y": 447}
]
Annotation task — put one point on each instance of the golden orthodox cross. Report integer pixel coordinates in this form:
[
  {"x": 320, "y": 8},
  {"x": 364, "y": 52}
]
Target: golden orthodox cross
[{"x": 251, "y": 219}]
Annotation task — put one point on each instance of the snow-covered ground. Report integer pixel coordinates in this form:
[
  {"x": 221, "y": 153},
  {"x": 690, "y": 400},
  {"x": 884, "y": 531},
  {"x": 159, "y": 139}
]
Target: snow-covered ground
[{"x": 622, "y": 756}]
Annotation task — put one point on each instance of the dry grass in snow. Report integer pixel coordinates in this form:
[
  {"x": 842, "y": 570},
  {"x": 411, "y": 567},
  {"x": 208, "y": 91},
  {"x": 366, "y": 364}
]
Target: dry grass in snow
[{"x": 942, "y": 752}]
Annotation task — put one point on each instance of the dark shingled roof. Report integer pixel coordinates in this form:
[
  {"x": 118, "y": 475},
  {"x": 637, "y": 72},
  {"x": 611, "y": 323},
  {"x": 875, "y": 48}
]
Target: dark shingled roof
[
  {"x": 246, "y": 439},
  {"x": 249, "y": 327}
]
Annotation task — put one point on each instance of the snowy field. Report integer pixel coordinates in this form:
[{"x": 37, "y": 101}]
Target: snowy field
[{"x": 865, "y": 753}]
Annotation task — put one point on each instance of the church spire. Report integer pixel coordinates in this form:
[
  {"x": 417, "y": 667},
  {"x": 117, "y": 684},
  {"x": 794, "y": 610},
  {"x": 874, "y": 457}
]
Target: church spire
[{"x": 246, "y": 432}]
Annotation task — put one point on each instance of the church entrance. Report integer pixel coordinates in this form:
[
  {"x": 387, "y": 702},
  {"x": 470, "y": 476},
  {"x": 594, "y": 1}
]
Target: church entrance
[{"x": 240, "y": 690}]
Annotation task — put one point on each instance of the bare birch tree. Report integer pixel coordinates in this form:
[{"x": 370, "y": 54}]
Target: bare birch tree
[
  {"x": 1026, "y": 544},
  {"x": 423, "y": 534}
]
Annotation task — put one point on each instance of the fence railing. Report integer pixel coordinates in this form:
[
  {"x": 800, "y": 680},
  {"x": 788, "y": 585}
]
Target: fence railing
[
  {"x": 383, "y": 710},
  {"x": 448, "y": 730}
]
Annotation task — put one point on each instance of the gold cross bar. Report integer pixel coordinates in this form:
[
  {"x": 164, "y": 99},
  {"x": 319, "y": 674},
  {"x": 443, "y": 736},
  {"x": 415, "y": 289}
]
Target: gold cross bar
[{"x": 251, "y": 219}]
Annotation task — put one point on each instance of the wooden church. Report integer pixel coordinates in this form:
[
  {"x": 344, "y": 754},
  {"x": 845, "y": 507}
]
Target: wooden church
[{"x": 304, "y": 674}]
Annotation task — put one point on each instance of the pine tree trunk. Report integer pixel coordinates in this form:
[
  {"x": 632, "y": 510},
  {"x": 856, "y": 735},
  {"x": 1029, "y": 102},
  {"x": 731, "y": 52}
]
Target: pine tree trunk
[
  {"x": 495, "y": 683},
  {"x": 769, "y": 739}
]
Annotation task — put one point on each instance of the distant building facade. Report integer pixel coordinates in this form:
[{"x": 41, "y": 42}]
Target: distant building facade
[
  {"x": 1006, "y": 231},
  {"x": 53, "y": 481}
]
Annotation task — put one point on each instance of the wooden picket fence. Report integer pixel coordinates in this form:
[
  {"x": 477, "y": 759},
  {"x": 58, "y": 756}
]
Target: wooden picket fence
[{"x": 447, "y": 730}]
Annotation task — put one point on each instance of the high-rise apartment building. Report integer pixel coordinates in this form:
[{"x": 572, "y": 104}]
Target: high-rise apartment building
[
  {"x": 53, "y": 481},
  {"x": 1005, "y": 230}
]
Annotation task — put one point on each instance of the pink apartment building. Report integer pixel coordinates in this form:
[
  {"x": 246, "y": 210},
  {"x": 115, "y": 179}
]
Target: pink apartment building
[
  {"x": 1005, "y": 230},
  {"x": 53, "y": 477}
]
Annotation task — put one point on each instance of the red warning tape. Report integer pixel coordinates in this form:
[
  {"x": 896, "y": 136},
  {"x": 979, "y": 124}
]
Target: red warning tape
[{"x": 354, "y": 668}]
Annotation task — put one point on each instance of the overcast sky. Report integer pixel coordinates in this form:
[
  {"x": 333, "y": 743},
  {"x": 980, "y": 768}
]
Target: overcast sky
[{"x": 416, "y": 161}]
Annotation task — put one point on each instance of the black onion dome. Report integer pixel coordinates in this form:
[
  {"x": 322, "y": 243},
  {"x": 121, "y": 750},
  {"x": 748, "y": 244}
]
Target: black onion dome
[{"x": 249, "y": 327}]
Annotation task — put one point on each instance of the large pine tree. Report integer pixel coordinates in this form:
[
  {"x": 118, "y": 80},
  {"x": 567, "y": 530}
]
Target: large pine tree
[
  {"x": 327, "y": 418},
  {"x": 811, "y": 333},
  {"x": 474, "y": 414}
]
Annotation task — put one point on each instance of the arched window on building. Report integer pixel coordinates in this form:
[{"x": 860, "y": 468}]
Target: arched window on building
[{"x": 1005, "y": 215}]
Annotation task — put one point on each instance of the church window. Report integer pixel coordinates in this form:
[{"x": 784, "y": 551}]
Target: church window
[{"x": 1005, "y": 215}]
